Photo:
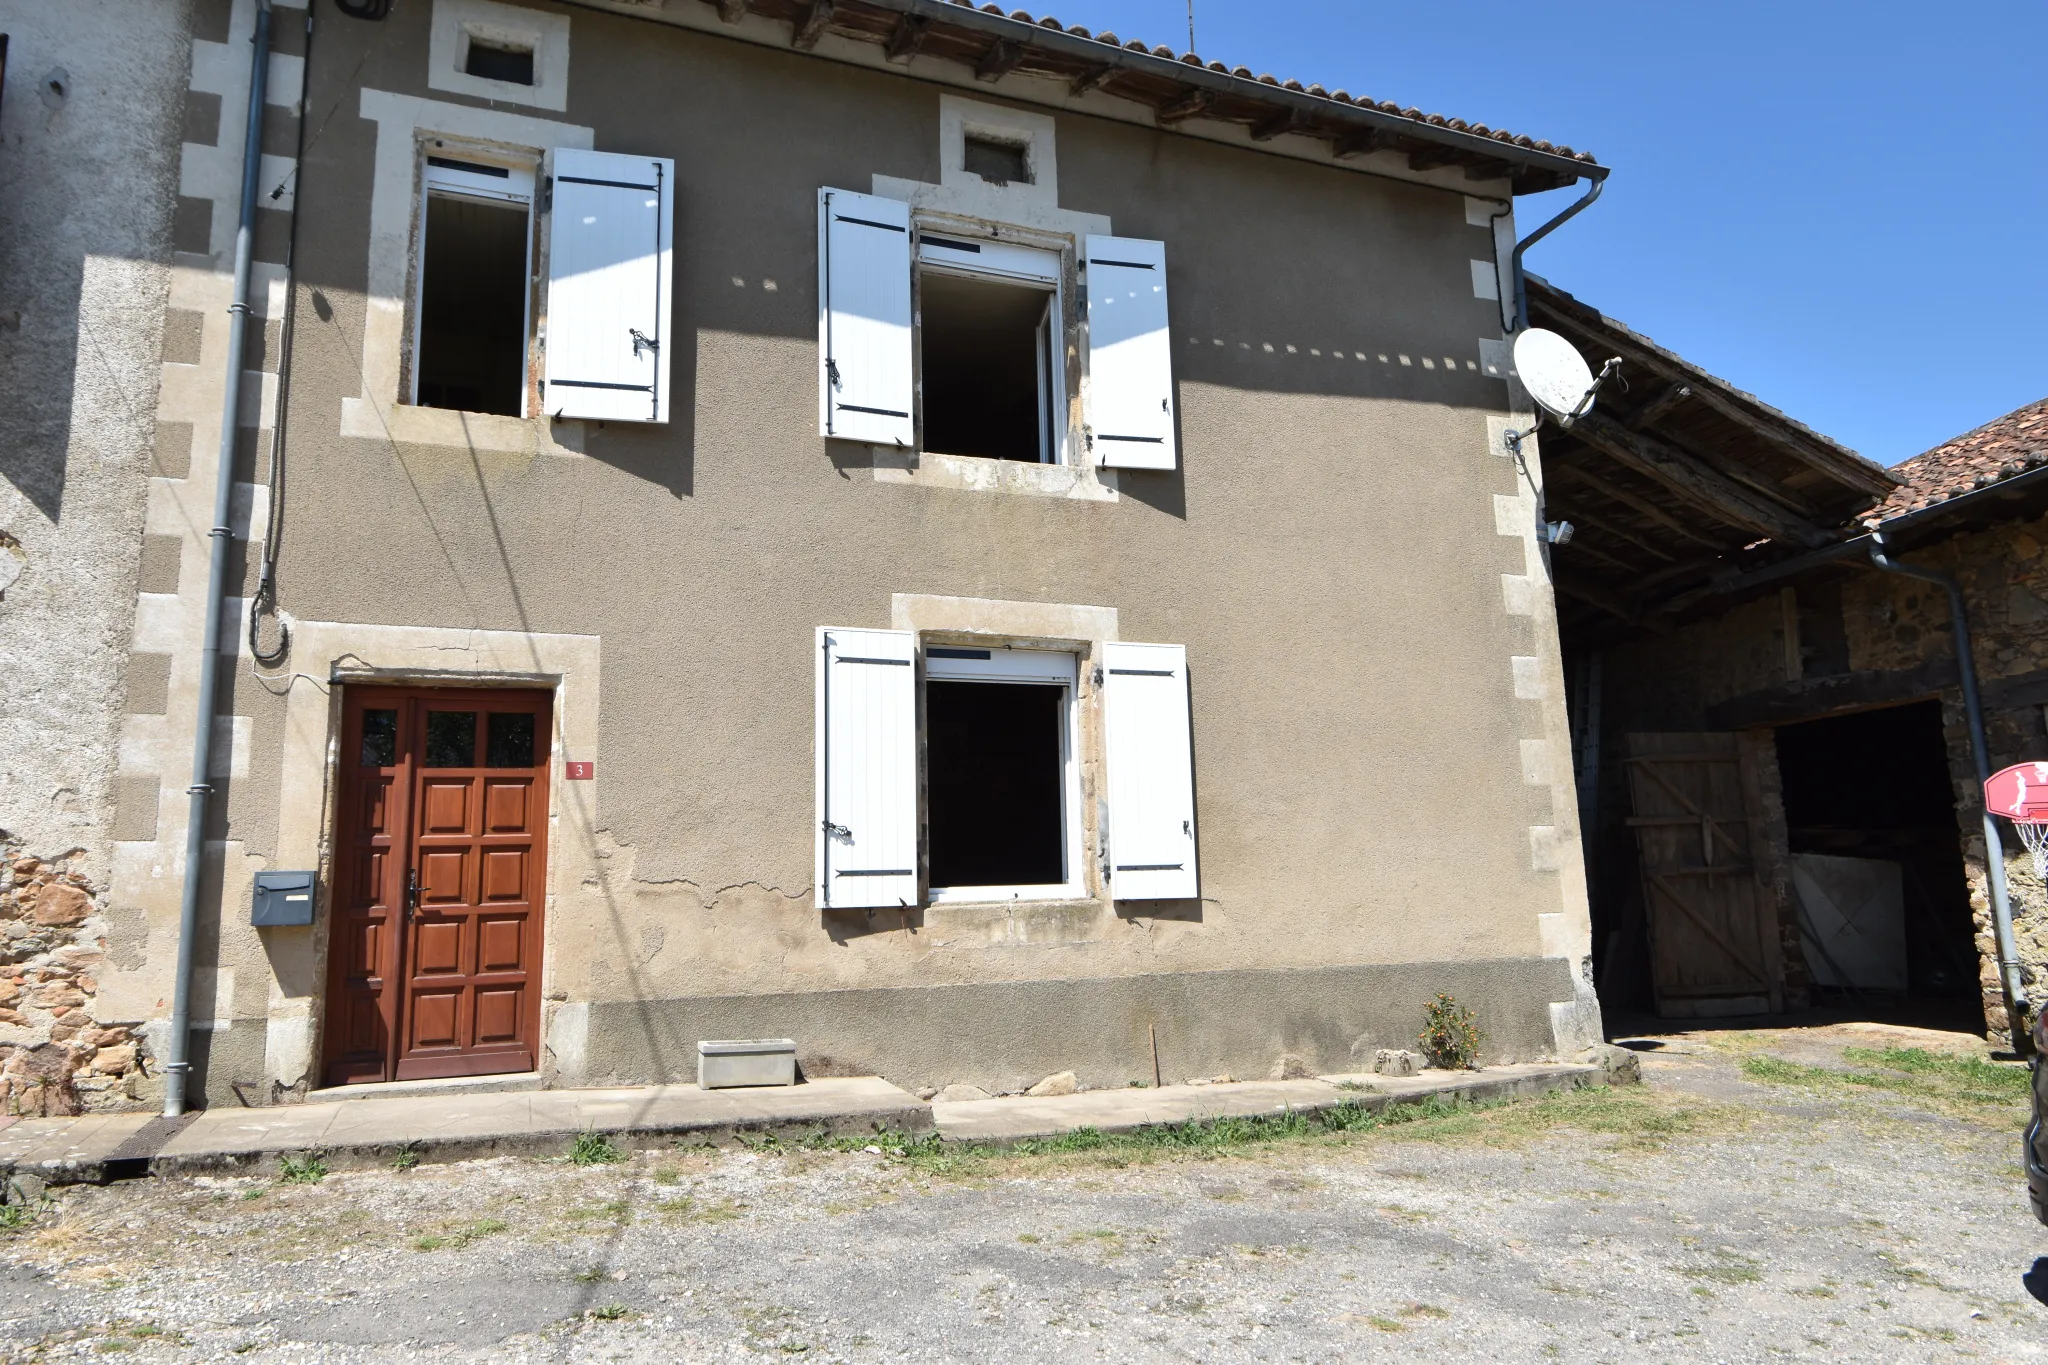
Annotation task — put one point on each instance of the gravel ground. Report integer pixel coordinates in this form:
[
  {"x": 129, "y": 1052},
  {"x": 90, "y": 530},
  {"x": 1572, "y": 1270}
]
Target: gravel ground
[{"x": 1731, "y": 1209}]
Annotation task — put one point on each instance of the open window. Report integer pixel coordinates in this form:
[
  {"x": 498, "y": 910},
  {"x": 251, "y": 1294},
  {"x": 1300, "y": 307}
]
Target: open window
[
  {"x": 989, "y": 334},
  {"x": 938, "y": 325},
  {"x": 472, "y": 318},
  {"x": 1000, "y": 763},
  {"x": 1001, "y": 785}
]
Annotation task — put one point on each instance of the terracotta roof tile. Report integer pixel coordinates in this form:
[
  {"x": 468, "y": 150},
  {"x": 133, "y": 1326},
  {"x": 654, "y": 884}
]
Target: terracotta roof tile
[
  {"x": 1977, "y": 459},
  {"x": 1437, "y": 120}
]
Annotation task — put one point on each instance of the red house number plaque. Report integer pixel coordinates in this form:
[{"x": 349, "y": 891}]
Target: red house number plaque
[{"x": 581, "y": 772}]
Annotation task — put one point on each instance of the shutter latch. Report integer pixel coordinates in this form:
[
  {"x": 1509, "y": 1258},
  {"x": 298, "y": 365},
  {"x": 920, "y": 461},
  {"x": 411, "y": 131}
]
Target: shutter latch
[
  {"x": 838, "y": 832},
  {"x": 832, "y": 371},
  {"x": 640, "y": 340}
]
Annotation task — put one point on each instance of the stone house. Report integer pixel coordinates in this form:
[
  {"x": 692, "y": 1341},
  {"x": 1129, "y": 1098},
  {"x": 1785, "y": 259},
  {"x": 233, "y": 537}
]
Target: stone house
[
  {"x": 977, "y": 546},
  {"x": 1752, "y": 693}
]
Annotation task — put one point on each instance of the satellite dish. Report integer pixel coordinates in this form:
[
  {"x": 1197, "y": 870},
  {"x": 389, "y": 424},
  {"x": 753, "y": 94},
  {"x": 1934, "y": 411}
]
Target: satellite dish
[{"x": 1554, "y": 373}]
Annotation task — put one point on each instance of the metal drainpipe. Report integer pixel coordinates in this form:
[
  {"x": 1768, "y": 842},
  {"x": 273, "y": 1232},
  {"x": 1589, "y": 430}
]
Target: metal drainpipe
[
  {"x": 1584, "y": 201},
  {"x": 178, "y": 1066},
  {"x": 1994, "y": 845}
]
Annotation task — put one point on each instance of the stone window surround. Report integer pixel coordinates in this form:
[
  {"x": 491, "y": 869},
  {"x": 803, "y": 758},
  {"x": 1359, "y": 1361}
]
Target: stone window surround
[
  {"x": 402, "y": 121},
  {"x": 989, "y": 622},
  {"x": 457, "y": 22},
  {"x": 1029, "y": 215},
  {"x": 357, "y": 653}
]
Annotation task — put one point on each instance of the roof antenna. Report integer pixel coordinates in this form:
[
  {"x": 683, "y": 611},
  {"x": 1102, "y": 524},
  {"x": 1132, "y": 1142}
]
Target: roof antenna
[{"x": 1191, "y": 25}]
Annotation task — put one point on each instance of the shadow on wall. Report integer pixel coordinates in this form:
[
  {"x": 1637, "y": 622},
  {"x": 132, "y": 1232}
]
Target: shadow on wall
[
  {"x": 40, "y": 375},
  {"x": 666, "y": 455}
]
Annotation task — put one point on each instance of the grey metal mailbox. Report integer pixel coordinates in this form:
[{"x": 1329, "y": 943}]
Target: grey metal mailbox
[{"x": 282, "y": 898}]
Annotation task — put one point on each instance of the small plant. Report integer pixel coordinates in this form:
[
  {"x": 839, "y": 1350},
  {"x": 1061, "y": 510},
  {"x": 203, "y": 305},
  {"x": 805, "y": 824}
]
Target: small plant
[
  {"x": 14, "y": 1217},
  {"x": 610, "y": 1312},
  {"x": 1450, "y": 1035},
  {"x": 302, "y": 1168},
  {"x": 406, "y": 1157},
  {"x": 593, "y": 1149}
]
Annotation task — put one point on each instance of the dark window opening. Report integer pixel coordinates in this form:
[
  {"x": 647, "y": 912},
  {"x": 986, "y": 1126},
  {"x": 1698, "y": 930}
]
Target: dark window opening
[
  {"x": 472, "y": 336},
  {"x": 508, "y": 740},
  {"x": 987, "y": 355},
  {"x": 499, "y": 62},
  {"x": 1876, "y": 785},
  {"x": 451, "y": 739},
  {"x": 999, "y": 163},
  {"x": 380, "y": 739},
  {"x": 994, "y": 763}
]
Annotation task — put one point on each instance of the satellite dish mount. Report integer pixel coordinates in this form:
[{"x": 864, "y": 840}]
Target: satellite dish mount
[{"x": 1556, "y": 376}]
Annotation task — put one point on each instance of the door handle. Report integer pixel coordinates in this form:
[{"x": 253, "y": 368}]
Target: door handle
[{"x": 412, "y": 891}]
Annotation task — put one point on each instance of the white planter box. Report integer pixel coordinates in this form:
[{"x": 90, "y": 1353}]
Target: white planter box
[{"x": 722, "y": 1063}]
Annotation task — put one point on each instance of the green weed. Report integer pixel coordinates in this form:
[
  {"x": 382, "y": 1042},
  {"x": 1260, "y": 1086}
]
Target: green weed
[
  {"x": 593, "y": 1149},
  {"x": 610, "y": 1312},
  {"x": 406, "y": 1157},
  {"x": 1944, "y": 1080},
  {"x": 457, "y": 1238},
  {"x": 1450, "y": 1034},
  {"x": 302, "y": 1168}
]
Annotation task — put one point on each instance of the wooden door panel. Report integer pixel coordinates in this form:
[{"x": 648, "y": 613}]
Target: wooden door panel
[
  {"x": 433, "y": 1015},
  {"x": 445, "y": 806},
  {"x": 497, "y": 1015},
  {"x": 1710, "y": 916},
  {"x": 438, "y": 981},
  {"x": 505, "y": 805},
  {"x": 501, "y": 945},
  {"x": 504, "y": 874}
]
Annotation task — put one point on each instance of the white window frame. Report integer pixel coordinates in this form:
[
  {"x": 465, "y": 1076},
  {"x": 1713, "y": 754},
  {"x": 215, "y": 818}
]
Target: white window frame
[
  {"x": 1004, "y": 262},
  {"x": 517, "y": 186},
  {"x": 1047, "y": 667}
]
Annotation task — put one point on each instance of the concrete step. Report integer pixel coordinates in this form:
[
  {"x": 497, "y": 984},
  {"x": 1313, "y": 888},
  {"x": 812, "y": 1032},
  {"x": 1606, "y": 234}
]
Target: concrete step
[{"x": 514, "y": 1083}]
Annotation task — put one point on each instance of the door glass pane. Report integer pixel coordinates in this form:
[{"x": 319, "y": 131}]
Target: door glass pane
[
  {"x": 509, "y": 741},
  {"x": 451, "y": 739},
  {"x": 380, "y": 739}
]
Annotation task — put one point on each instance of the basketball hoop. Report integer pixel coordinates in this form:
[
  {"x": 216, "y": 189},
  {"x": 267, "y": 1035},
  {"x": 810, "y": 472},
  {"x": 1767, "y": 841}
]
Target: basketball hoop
[{"x": 2020, "y": 794}]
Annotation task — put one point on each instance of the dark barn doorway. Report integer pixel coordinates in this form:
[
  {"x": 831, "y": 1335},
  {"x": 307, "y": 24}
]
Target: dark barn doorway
[{"x": 1876, "y": 786}]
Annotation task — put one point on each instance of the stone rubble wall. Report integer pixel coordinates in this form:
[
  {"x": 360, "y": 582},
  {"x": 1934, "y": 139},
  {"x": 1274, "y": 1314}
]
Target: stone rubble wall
[{"x": 55, "y": 1058}]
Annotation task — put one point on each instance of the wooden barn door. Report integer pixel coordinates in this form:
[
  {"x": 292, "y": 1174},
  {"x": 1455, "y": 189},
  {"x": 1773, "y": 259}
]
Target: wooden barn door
[
  {"x": 1712, "y": 922},
  {"x": 440, "y": 879}
]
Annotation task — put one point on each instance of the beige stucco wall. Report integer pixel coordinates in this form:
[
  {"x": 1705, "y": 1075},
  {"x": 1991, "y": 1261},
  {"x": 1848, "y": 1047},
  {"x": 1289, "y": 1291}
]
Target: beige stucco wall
[{"x": 1347, "y": 553}]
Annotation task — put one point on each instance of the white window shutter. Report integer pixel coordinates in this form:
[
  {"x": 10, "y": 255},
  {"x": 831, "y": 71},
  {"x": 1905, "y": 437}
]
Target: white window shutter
[
  {"x": 1130, "y": 355},
  {"x": 865, "y": 385},
  {"x": 1151, "y": 773},
  {"x": 867, "y": 769},
  {"x": 610, "y": 243}
]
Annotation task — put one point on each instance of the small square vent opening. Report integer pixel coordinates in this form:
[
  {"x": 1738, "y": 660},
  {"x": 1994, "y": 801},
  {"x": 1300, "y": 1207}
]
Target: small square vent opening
[
  {"x": 499, "y": 60},
  {"x": 998, "y": 162}
]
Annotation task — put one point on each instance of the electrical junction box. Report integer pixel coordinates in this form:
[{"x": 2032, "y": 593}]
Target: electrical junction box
[
  {"x": 745, "y": 1061},
  {"x": 282, "y": 898}
]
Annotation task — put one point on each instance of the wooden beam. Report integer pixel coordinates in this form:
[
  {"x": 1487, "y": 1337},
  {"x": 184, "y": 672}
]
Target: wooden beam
[
  {"x": 1359, "y": 143},
  {"x": 1596, "y": 597},
  {"x": 1660, "y": 407},
  {"x": 1431, "y": 157},
  {"x": 1273, "y": 125},
  {"x": 732, "y": 11},
  {"x": 1833, "y": 695},
  {"x": 811, "y": 27},
  {"x": 1608, "y": 528},
  {"x": 999, "y": 61},
  {"x": 1837, "y": 465},
  {"x": 1186, "y": 106},
  {"x": 907, "y": 38},
  {"x": 1091, "y": 79},
  {"x": 1628, "y": 499},
  {"x": 1697, "y": 481}
]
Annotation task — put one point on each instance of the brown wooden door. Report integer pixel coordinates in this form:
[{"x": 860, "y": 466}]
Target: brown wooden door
[
  {"x": 440, "y": 877},
  {"x": 1713, "y": 923}
]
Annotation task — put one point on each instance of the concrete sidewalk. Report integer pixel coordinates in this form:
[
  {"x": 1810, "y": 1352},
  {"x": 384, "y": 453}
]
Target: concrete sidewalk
[
  {"x": 1120, "y": 1111},
  {"x": 368, "y": 1132},
  {"x": 100, "y": 1147}
]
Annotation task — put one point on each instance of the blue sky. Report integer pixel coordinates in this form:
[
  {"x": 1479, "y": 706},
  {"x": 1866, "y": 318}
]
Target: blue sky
[{"x": 1842, "y": 208}]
